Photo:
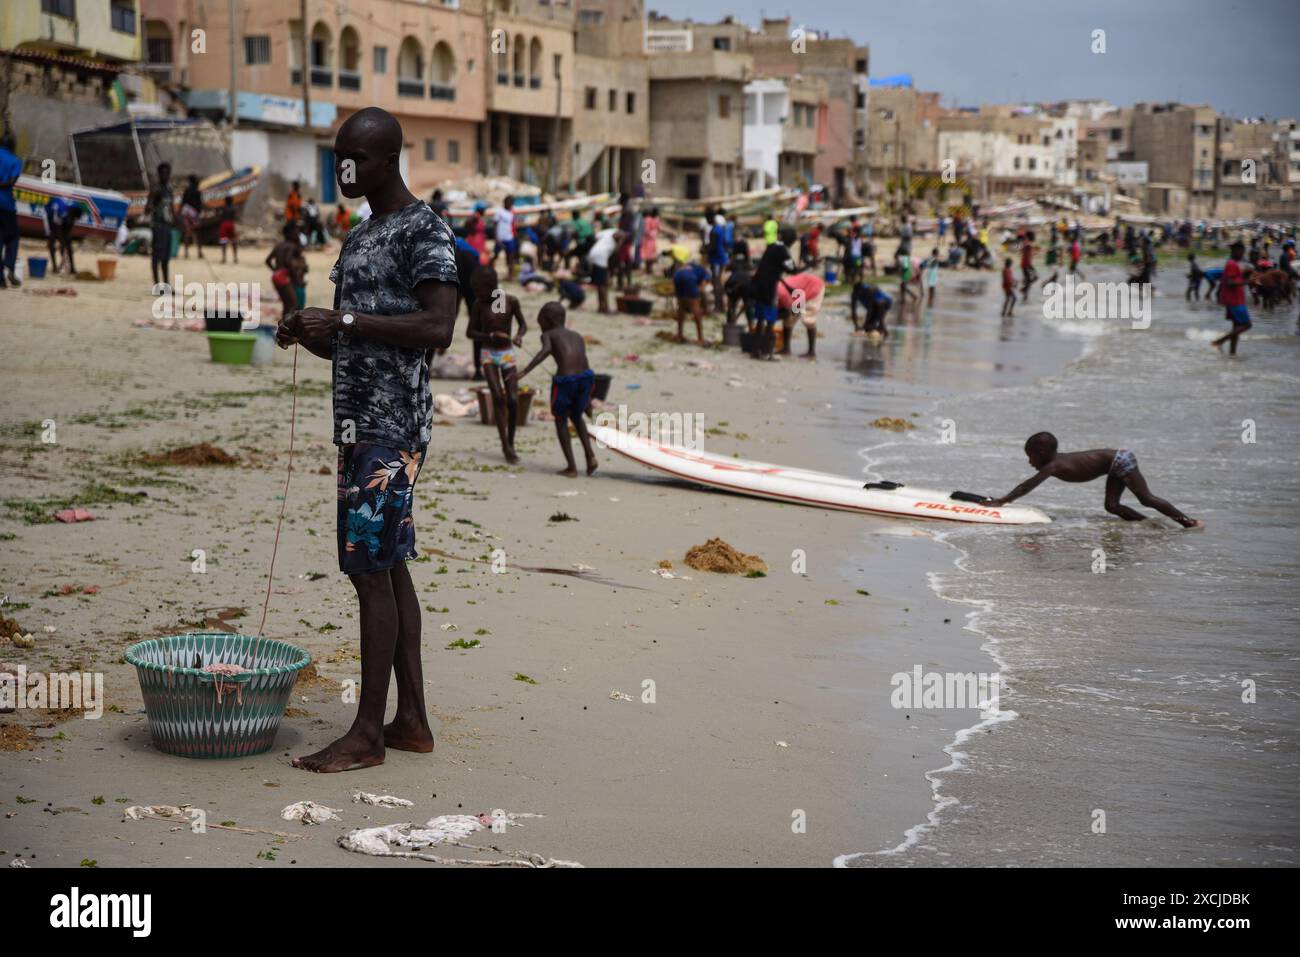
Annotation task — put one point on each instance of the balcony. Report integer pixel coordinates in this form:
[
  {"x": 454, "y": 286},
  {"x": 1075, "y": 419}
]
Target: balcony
[
  {"x": 534, "y": 83},
  {"x": 349, "y": 80},
  {"x": 410, "y": 87},
  {"x": 322, "y": 76},
  {"x": 442, "y": 91}
]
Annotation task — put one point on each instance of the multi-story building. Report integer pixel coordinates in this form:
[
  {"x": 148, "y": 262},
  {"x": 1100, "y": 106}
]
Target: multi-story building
[
  {"x": 1243, "y": 165},
  {"x": 781, "y": 48},
  {"x": 1178, "y": 144},
  {"x": 423, "y": 63},
  {"x": 786, "y": 126},
  {"x": 697, "y": 101},
  {"x": 1005, "y": 152},
  {"x": 62, "y": 64},
  {"x": 530, "y": 91},
  {"x": 611, "y": 121},
  {"x": 902, "y": 137}
]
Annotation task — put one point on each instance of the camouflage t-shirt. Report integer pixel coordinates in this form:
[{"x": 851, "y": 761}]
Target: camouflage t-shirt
[{"x": 383, "y": 389}]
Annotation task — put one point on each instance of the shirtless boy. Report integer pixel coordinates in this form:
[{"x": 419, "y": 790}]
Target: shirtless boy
[
  {"x": 1118, "y": 465},
  {"x": 570, "y": 386},
  {"x": 490, "y": 322}
]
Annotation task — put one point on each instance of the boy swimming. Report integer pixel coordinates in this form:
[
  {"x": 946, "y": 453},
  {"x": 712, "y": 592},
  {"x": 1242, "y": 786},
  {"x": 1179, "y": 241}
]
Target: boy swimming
[
  {"x": 570, "y": 386},
  {"x": 490, "y": 321},
  {"x": 1118, "y": 465}
]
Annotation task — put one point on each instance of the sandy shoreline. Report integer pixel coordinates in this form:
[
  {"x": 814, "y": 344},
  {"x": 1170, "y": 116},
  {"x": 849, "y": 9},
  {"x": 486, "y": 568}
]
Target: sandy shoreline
[{"x": 696, "y": 778}]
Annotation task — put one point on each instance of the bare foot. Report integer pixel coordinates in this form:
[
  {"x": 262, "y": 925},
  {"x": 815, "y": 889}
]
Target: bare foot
[
  {"x": 1197, "y": 526},
  {"x": 405, "y": 736},
  {"x": 569, "y": 472},
  {"x": 591, "y": 466},
  {"x": 348, "y": 753},
  {"x": 511, "y": 456}
]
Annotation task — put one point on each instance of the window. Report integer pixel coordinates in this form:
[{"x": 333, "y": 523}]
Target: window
[
  {"x": 861, "y": 102},
  {"x": 453, "y": 151},
  {"x": 887, "y": 115},
  {"x": 1016, "y": 163},
  {"x": 590, "y": 18},
  {"x": 724, "y": 107},
  {"x": 60, "y": 8},
  {"x": 613, "y": 100},
  {"x": 122, "y": 16},
  {"x": 1033, "y": 163},
  {"x": 631, "y": 102},
  {"x": 860, "y": 66},
  {"x": 722, "y": 43},
  {"x": 257, "y": 50},
  {"x": 430, "y": 149},
  {"x": 589, "y": 98},
  {"x": 381, "y": 59},
  {"x": 158, "y": 50}
]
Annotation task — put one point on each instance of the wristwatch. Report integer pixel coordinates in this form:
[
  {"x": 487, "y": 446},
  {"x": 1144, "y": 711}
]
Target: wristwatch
[{"x": 349, "y": 322}]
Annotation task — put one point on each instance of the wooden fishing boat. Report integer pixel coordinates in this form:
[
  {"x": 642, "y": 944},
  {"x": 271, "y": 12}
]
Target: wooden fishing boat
[{"x": 102, "y": 210}]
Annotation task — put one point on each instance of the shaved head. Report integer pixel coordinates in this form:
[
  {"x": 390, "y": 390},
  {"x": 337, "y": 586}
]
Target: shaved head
[{"x": 377, "y": 129}]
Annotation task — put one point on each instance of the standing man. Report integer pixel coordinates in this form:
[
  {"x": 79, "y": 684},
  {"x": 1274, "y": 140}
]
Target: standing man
[
  {"x": 162, "y": 217},
  {"x": 11, "y": 167},
  {"x": 1232, "y": 293},
  {"x": 504, "y": 232},
  {"x": 394, "y": 302}
]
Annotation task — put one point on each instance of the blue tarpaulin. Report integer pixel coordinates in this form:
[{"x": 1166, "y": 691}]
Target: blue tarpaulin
[{"x": 898, "y": 79}]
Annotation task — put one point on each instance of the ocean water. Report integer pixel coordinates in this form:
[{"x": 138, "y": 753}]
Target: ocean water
[{"x": 1154, "y": 673}]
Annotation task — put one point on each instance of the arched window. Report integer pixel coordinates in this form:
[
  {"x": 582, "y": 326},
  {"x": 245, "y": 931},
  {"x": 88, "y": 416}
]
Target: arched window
[
  {"x": 349, "y": 59},
  {"x": 520, "y": 51},
  {"x": 410, "y": 68},
  {"x": 158, "y": 55},
  {"x": 322, "y": 55},
  {"x": 535, "y": 63},
  {"x": 443, "y": 80}
]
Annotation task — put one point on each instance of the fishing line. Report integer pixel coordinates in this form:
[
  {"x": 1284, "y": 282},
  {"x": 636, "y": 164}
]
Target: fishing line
[{"x": 284, "y": 500}]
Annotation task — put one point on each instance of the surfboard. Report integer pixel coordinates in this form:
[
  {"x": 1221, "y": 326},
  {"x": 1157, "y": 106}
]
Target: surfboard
[{"x": 807, "y": 487}]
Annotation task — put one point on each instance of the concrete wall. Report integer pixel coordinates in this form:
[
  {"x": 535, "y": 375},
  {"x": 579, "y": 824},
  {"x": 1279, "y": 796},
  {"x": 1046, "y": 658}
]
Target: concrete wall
[{"x": 48, "y": 101}]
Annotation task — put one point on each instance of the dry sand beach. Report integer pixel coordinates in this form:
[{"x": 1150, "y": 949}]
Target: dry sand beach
[{"x": 771, "y": 695}]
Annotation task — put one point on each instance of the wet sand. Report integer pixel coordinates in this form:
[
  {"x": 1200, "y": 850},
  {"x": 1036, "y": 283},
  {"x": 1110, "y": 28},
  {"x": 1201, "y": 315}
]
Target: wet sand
[{"x": 771, "y": 695}]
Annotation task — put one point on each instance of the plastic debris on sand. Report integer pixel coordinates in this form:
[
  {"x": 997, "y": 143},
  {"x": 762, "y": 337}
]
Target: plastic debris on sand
[
  {"x": 380, "y": 800},
  {"x": 715, "y": 555},
  {"x": 73, "y": 515},
  {"x": 409, "y": 841},
  {"x": 139, "y": 812},
  {"x": 309, "y": 812}
]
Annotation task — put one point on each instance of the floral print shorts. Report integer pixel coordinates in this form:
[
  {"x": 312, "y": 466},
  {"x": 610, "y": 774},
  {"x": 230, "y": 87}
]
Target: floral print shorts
[{"x": 375, "y": 526}]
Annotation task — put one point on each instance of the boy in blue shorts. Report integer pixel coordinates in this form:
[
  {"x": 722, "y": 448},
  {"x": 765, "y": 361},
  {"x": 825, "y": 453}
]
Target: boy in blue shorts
[{"x": 571, "y": 385}]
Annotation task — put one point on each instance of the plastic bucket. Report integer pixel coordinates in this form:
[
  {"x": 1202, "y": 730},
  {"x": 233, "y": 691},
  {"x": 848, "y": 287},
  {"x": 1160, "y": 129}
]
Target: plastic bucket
[
  {"x": 107, "y": 268},
  {"x": 36, "y": 266},
  {"x": 232, "y": 348},
  {"x": 199, "y": 715}
]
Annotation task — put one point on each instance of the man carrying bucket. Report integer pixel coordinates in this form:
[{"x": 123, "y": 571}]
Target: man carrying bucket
[{"x": 395, "y": 301}]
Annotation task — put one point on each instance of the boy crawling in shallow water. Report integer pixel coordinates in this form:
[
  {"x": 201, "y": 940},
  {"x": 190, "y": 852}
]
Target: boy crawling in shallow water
[
  {"x": 1118, "y": 465},
  {"x": 570, "y": 386}
]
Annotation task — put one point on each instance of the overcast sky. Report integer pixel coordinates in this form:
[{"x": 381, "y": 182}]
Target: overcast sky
[{"x": 1239, "y": 56}]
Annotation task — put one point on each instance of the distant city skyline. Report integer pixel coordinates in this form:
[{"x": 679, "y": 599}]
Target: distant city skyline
[{"x": 1004, "y": 51}]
